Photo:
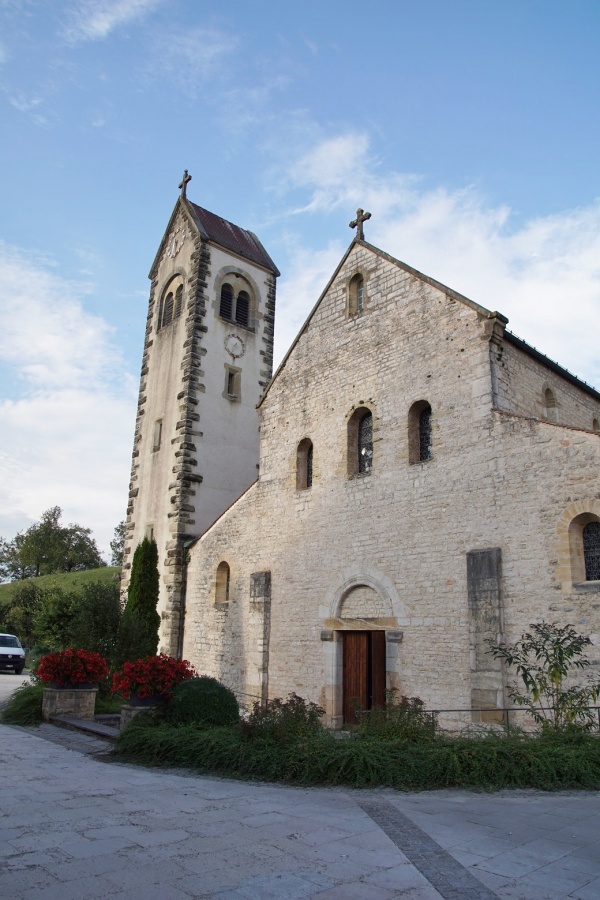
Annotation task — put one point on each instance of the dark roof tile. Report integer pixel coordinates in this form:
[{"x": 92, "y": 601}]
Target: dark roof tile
[{"x": 232, "y": 237}]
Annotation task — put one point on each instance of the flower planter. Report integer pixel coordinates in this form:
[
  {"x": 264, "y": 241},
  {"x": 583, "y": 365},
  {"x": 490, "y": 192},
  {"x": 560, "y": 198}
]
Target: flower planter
[
  {"x": 77, "y": 702},
  {"x": 130, "y": 709},
  {"x": 145, "y": 702}
]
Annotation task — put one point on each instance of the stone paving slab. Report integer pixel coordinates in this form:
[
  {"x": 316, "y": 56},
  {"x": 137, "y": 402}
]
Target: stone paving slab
[{"x": 74, "y": 824}]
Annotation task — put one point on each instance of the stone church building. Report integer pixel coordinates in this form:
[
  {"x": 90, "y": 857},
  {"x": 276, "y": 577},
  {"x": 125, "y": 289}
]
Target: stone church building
[{"x": 412, "y": 480}]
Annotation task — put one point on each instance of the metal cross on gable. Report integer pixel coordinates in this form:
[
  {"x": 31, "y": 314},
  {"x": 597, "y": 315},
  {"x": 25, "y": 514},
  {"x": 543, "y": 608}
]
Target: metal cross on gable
[
  {"x": 361, "y": 216},
  {"x": 184, "y": 183}
]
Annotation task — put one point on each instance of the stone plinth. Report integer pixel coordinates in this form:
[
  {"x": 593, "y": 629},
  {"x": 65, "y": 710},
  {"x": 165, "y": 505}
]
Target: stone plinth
[
  {"x": 129, "y": 712},
  {"x": 80, "y": 703}
]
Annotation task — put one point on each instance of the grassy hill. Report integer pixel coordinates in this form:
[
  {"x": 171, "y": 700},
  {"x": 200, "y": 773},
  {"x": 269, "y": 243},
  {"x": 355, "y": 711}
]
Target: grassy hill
[{"x": 66, "y": 581}]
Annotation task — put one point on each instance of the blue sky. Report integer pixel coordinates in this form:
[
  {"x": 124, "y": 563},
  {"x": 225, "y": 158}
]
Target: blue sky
[{"x": 469, "y": 129}]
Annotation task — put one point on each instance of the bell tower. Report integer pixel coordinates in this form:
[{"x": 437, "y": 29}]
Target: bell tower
[{"x": 208, "y": 356}]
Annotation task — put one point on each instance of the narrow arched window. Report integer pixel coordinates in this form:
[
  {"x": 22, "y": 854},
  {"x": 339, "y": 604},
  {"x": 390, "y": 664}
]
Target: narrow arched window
[
  {"x": 222, "y": 584},
  {"x": 365, "y": 444},
  {"x": 420, "y": 434},
  {"x": 226, "y": 307},
  {"x": 550, "y": 405},
  {"x": 595, "y": 425},
  {"x": 591, "y": 550},
  {"x": 242, "y": 308},
  {"x": 360, "y": 442},
  {"x": 360, "y": 295},
  {"x": 304, "y": 465},
  {"x": 178, "y": 300},
  {"x": 425, "y": 442},
  {"x": 168, "y": 310},
  {"x": 356, "y": 295}
]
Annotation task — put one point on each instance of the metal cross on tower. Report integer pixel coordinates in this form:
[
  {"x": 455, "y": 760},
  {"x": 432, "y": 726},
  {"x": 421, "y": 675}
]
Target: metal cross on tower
[
  {"x": 184, "y": 183},
  {"x": 361, "y": 216}
]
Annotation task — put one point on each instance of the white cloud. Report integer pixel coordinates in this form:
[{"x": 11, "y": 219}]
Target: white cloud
[
  {"x": 93, "y": 20},
  {"x": 67, "y": 426},
  {"x": 544, "y": 274},
  {"x": 198, "y": 55}
]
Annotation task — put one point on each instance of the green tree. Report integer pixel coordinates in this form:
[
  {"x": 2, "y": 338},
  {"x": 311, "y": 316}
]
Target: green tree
[
  {"x": 54, "y": 619},
  {"x": 138, "y": 631},
  {"x": 543, "y": 658},
  {"x": 48, "y": 547},
  {"x": 19, "y": 615},
  {"x": 95, "y": 624},
  {"x": 117, "y": 545}
]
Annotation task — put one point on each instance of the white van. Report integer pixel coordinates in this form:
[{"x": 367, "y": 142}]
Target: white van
[{"x": 12, "y": 655}]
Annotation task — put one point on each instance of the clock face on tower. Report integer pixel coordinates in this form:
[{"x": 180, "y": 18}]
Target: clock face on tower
[{"x": 234, "y": 346}]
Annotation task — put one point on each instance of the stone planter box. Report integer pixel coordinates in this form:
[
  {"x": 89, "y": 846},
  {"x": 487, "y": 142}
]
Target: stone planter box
[
  {"x": 78, "y": 703},
  {"x": 130, "y": 710}
]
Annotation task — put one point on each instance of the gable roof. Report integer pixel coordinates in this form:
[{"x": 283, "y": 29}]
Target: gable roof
[
  {"x": 481, "y": 310},
  {"x": 219, "y": 231},
  {"x": 231, "y": 237}
]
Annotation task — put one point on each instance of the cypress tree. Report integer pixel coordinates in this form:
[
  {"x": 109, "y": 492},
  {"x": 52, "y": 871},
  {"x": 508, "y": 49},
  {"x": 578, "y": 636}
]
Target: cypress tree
[{"x": 138, "y": 631}]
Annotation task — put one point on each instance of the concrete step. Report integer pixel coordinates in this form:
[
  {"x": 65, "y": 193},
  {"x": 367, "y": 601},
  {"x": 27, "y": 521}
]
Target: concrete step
[{"x": 87, "y": 726}]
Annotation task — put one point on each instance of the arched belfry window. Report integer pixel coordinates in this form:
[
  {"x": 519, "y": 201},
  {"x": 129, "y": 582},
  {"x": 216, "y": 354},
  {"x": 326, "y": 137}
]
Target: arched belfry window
[
  {"x": 168, "y": 311},
  {"x": 236, "y": 304},
  {"x": 360, "y": 442},
  {"x": 178, "y": 300},
  {"x": 420, "y": 435},
  {"x": 356, "y": 295},
  {"x": 304, "y": 465},
  {"x": 591, "y": 550},
  {"x": 222, "y": 583},
  {"x": 226, "y": 308},
  {"x": 242, "y": 308},
  {"x": 171, "y": 302}
]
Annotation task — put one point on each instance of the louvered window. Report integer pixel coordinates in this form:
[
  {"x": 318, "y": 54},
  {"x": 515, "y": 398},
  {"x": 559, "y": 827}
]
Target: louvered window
[
  {"x": 242, "y": 308},
  {"x": 168, "y": 313},
  {"x": 226, "y": 309},
  {"x": 178, "y": 300}
]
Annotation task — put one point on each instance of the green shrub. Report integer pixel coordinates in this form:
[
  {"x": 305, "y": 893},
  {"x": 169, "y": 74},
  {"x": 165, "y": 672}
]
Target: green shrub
[
  {"x": 284, "y": 721},
  {"x": 490, "y": 762},
  {"x": 25, "y": 705},
  {"x": 202, "y": 701},
  {"x": 405, "y": 719}
]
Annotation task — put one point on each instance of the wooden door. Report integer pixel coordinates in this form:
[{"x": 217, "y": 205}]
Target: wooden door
[{"x": 363, "y": 672}]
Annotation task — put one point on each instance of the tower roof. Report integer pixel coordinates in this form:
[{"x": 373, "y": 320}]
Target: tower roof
[{"x": 231, "y": 237}]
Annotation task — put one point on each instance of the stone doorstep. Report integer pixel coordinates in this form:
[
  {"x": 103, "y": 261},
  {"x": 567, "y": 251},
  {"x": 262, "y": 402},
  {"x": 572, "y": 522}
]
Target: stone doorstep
[{"x": 98, "y": 729}]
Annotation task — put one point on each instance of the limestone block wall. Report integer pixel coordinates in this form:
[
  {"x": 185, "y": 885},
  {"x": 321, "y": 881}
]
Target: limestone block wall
[
  {"x": 388, "y": 550},
  {"x": 522, "y": 381}
]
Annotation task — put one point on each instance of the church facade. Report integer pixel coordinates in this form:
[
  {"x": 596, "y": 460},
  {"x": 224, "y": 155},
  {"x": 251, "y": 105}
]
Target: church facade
[{"x": 426, "y": 481}]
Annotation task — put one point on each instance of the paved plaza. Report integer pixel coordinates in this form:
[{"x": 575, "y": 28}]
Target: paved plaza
[{"x": 76, "y": 825}]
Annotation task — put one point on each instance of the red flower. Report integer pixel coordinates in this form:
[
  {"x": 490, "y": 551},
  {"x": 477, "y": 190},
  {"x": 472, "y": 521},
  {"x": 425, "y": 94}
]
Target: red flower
[
  {"x": 72, "y": 667},
  {"x": 152, "y": 676}
]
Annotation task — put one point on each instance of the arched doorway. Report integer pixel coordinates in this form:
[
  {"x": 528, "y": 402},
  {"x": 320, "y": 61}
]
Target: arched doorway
[{"x": 363, "y": 613}]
